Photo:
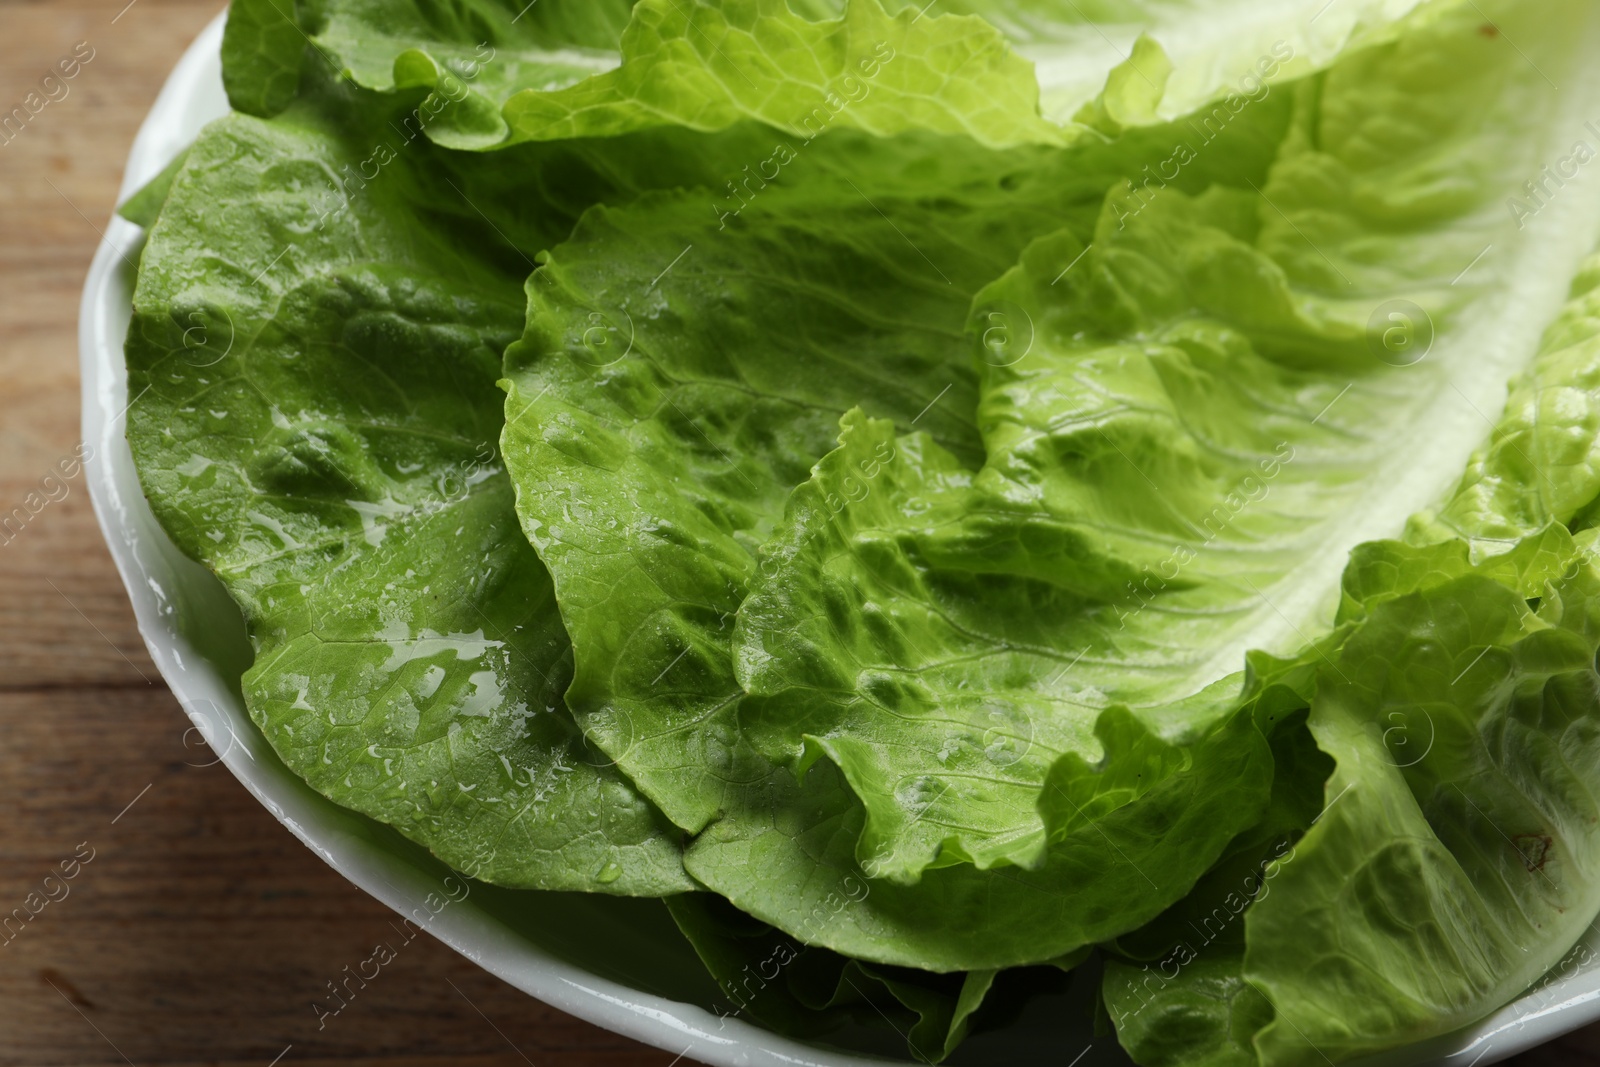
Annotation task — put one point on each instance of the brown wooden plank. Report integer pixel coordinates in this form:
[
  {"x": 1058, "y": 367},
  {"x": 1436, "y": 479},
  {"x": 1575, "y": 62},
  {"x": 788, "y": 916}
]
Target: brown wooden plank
[
  {"x": 200, "y": 930},
  {"x": 61, "y": 176}
]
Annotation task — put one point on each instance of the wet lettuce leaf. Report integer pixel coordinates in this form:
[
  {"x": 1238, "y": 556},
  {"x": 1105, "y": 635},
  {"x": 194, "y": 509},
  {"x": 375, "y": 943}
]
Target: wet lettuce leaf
[
  {"x": 1455, "y": 863},
  {"x": 624, "y": 417},
  {"x": 1445, "y": 866},
  {"x": 314, "y": 360},
  {"x": 507, "y": 72}
]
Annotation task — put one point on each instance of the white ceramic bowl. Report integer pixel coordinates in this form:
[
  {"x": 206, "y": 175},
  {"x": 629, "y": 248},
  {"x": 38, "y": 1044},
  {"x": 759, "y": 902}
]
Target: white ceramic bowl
[{"x": 614, "y": 963}]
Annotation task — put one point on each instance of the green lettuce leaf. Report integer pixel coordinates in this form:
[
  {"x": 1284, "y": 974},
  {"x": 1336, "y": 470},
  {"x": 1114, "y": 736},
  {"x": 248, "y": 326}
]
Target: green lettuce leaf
[
  {"x": 707, "y": 65},
  {"x": 922, "y": 686},
  {"x": 916, "y": 420},
  {"x": 667, "y": 338},
  {"x": 468, "y": 57},
  {"x": 1186, "y": 999},
  {"x": 144, "y": 206},
  {"x": 1187, "y": 1011},
  {"x": 315, "y": 419},
  {"x": 1174, "y": 988},
  {"x": 626, "y": 403},
  {"x": 262, "y": 48},
  {"x": 500, "y": 72},
  {"x": 648, "y": 514},
  {"x": 1138, "y": 62},
  {"x": 1452, "y": 711},
  {"x": 1456, "y": 861},
  {"x": 1458, "y": 760},
  {"x": 1548, "y": 439},
  {"x": 1186, "y": 433}
]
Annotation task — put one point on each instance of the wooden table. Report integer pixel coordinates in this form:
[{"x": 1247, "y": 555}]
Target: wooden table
[{"x": 201, "y": 930}]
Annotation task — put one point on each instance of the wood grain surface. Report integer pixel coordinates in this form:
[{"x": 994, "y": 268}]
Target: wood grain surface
[{"x": 200, "y": 930}]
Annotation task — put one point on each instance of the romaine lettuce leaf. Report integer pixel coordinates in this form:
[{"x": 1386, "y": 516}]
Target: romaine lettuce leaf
[
  {"x": 1408, "y": 921},
  {"x": 144, "y": 206},
  {"x": 686, "y": 361},
  {"x": 471, "y": 56},
  {"x": 1183, "y": 426},
  {"x": 262, "y": 48},
  {"x": 1548, "y": 439},
  {"x": 1418, "y": 900},
  {"x": 1167, "y": 59},
  {"x": 1187, "y": 1010},
  {"x": 924, "y": 687},
  {"x": 501, "y": 72},
  {"x": 315, "y": 420},
  {"x": 1456, "y": 861}
]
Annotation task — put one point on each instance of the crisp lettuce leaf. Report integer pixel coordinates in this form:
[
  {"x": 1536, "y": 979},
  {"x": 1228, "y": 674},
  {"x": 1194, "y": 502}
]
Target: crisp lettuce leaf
[
  {"x": 1548, "y": 439},
  {"x": 1187, "y": 1010},
  {"x": 1408, "y": 920},
  {"x": 623, "y": 413},
  {"x": 1418, "y": 898},
  {"x": 1138, "y": 62},
  {"x": 144, "y": 206},
  {"x": 1206, "y": 351},
  {"x": 685, "y": 364},
  {"x": 788, "y": 854},
  {"x": 316, "y": 422},
  {"x": 1442, "y": 880},
  {"x": 1205, "y": 921},
  {"x": 707, "y": 65},
  {"x": 921, "y": 685},
  {"x": 1459, "y": 759},
  {"x": 262, "y": 49},
  {"x": 504, "y": 72},
  {"x": 1503, "y": 522},
  {"x": 469, "y": 56},
  {"x": 1174, "y": 989}
]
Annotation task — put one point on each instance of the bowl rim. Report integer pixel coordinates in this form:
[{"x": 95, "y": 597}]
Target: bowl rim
[{"x": 151, "y": 568}]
